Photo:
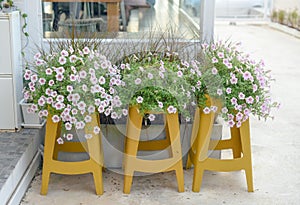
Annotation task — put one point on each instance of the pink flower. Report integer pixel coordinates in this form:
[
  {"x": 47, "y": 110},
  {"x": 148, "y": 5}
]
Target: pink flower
[
  {"x": 214, "y": 108},
  {"x": 114, "y": 115},
  {"x": 219, "y": 92},
  {"x": 150, "y": 76},
  {"x": 69, "y": 88},
  {"x": 151, "y": 117},
  {"x": 34, "y": 78},
  {"x": 161, "y": 74},
  {"x": 64, "y": 53},
  {"x": 101, "y": 80},
  {"x": 59, "y": 77},
  {"x": 60, "y": 98},
  {"x": 59, "y": 106},
  {"x": 179, "y": 74},
  {"x": 60, "y": 140},
  {"x": 224, "y": 110},
  {"x": 51, "y": 82},
  {"x": 60, "y": 70},
  {"x": 74, "y": 111},
  {"x": 82, "y": 74},
  {"x": 49, "y": 100},
  {"x": 69, "y": 137},
  {"x": 81, "y": 105},
  {"x": 125, "y": 112},
  {"x": 73, "y": 58},
  {"x": 62, "y": 60},
  {"x": 206, "y": 110},
  {"x": 254, "y": 87},
  {"x": 41, "y": 101},
  {"x": 225, "y": 61},
  {"x": 97, "y": 130},
  {"x": 220, "y": 54},
  {"x": 229, "y": 65},
  {"x": 55, "y": 118},
  {"x": 48, "y": 71},
  {"x": 214, "y": 71},
  {"x": 86, "y": 50},
  {"x": 137, "y": 81},
  {"x": 26, "y": 76},
  {"x": 241, "y": 96},
  {"x": 233, "y": 101},
  {"x": 233, "y": 79},
  {"x": 53, "y": 94},
  {"x": 247, "y": 75},
  {"x": 250, "y": 100},
  {"x": 101, "y": 109},
  {"x": 45, "y": 113},
  {"x": 91, "y": 109},
  {"x": 88, "y": 118},
  {"x": 214, "y": 60},
  {"x": 107, "y": 112},
  {"x": 73, "y": 77},
  {"x": 37, "y": 56},
  {"x": 68, "y": 126},
  {"x": 42, "y": 81},
  {"x": 139, "y": 99},
  {"x": 239, "y": 116},
  {"x": 88, "y": 136},
  {"x": 39, "y": 62},
  {"x": 231, "y": 123},
  {"x": 246, "y": 112},
  {"x": 171, "y": 109},
  {"x": 228, "y": 90}
]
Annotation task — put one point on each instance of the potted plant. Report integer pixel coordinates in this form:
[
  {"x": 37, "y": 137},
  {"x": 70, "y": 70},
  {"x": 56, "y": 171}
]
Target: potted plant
[
  {"x": 153, "y": 84},
  {"x": 70, "y": 83},
  {"x": 8, "y": 6},
  {"x": 241, "y": 84}
]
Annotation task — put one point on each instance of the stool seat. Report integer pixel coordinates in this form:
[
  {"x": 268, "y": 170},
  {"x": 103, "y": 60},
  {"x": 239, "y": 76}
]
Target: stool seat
[
  {"x": 92, "y": 146},
  {"x": 202, "y": 144},
  {"x": 133, "y": 145}
]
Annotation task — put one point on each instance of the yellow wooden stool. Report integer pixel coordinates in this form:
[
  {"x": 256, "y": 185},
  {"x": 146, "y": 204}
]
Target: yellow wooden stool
[
  {"x": 93, "y": 146},
  {"x": 198, "y": 154},
  {"x": 133, "y": 145}
]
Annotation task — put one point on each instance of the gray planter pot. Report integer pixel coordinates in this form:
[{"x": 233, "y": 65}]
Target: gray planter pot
[
  {"x": 30, "y": 120},
  {"x": 113, "y": 144}
]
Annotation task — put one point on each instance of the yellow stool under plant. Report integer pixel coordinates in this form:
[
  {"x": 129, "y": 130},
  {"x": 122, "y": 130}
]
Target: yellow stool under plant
[
  {"x": 133, "y": 145},
  {"x": 202, "y": 144},
  {"x": 93, "y": 146}
]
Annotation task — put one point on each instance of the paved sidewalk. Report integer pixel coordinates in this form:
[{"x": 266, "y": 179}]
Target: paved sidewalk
[{"x": 275, "y": 146}]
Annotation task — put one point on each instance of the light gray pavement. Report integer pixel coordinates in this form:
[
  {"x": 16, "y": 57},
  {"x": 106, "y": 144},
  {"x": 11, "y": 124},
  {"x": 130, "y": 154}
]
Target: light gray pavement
[{"x": 275, "y": 146}]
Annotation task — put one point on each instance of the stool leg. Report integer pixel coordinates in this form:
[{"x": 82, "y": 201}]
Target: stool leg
[
  {"x": 97, "y": 175},
  {"x": 172, "y": 126},
  {"x": 246, "y": 146},
  {"x": 134, "y": 122},
  {"x": 236, "y": 142},
  {"x": 203, "y": 139},
  {"x": 188, "y": 162},
  {"x": 198, "y": 175},
  {"x": 96, "y": 154},
  {"x": 50, "y": 141},
  {"x": 131, "y": 151}
]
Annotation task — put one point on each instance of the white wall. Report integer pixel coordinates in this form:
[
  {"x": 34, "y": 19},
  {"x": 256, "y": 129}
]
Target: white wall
[
  {"x": 34, "y": 20},
  {"x": 286, "y": 4}
]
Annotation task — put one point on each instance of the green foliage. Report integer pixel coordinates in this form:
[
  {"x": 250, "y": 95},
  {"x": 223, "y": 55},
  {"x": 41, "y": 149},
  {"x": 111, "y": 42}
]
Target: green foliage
[{"x": 281, "y": 16}]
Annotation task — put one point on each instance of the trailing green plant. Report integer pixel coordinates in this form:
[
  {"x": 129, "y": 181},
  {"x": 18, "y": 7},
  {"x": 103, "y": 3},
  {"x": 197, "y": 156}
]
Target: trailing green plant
[
  {"x": 281, "y": 16},
  {"x": 293, "y": 18},
  {"x": 274, "y": 16}
]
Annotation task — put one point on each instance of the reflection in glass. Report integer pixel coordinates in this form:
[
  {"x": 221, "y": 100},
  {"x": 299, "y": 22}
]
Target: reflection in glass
[{"x": 64, "y": 19}]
